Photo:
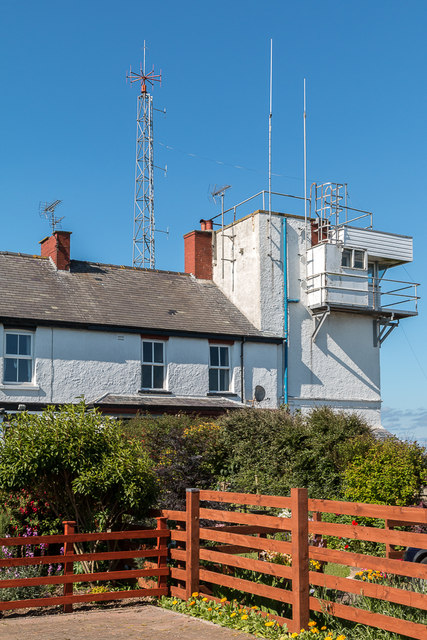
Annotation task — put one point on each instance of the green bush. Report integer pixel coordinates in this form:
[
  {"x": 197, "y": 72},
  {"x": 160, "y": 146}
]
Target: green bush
[
  {"x": 391, "y": 472},
  {"x": 271, "y": 451},
  {"x": 184, "y": 450},
  {"x": 79, "y": 462}
]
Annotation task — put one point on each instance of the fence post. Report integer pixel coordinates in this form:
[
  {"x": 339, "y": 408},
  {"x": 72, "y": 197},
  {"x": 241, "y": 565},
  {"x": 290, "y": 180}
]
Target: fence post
[
  {"x": 69, "y": 526},
  {"x": 162, "y": 545},
  {"x": 300, "y": 580},
  {"x": 192, "y": 542}
]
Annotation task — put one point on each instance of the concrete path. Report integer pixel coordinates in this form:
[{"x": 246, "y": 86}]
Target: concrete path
[{"x": 132, "y": 623}]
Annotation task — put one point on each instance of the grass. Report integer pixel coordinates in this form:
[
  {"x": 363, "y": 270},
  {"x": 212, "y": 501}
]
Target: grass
[{"x": 338, "y": 570}]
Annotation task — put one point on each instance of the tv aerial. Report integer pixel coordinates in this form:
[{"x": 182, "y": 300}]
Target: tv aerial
[
  {"x": 219, "y": 191},
  {"x": 47, "y": 210}
]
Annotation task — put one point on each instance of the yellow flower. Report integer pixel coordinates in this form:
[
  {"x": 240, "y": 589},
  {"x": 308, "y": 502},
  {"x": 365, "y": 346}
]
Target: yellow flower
[
  {"x": 255, "y": 608},
  {"x": 322, "y": 628},
  {"x": 314, "y": 630},
  {"x": 209, "y": 608},
  {"x": 302, "y": 630},
  {"x": 191, "y": 603},
  {"x": 270, "y": 623},
  {"x": 341, "y": 637},
  {"x": 312, "y": 623},
  {"x": 245, "y": 617},
  {"x": 233, "y": 614},
  {"x": 175, "y": 602},
  {"x": 223, "y": 600},
  {"x": 194, "y": 595},
  {"x": 204, "y": 599},
  {"x": 328, "y": 638},
  {"x": 294, "y": 635}
]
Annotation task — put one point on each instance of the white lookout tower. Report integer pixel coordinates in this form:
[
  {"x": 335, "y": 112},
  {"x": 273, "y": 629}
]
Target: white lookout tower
[{"x": 323, "y": 283}]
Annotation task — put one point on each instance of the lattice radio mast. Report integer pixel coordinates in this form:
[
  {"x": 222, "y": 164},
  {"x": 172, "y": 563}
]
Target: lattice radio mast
[{"x": 143, "y": 248}]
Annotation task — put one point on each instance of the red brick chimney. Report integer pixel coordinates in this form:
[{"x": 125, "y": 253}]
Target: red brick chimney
[
  {"x": 198, "y": 251},
  {"x": 57, "y": 247}
]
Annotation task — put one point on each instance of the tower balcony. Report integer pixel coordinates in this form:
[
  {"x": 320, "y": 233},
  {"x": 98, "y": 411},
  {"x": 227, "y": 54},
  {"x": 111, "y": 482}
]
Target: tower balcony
[{"x": 353, "y": 293}]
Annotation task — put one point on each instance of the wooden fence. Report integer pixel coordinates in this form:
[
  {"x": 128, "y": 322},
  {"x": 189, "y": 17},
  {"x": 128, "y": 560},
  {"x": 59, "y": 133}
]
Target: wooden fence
[
  {"x": 237, "y": 533},
  {"x": 69, "y": 539}
]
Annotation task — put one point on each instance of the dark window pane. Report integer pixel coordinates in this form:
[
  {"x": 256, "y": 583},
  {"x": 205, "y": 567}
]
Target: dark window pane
[
  {"x": 158, "y": 377},
  {"x": 214, "y": 357},
  {"x": 223, "y": 379},
  {"x": 147, "y": 352},
  {"x": 359, "y": 260},
  {"x": 213, "y": 380},
  {"x": 158, "y": 352},
  {"x": 12, "y": 343},
  {"x": 24, "y": 345},
  {"x": 10, "y": 370},
  {"x": 224, "y": 356},
  {"x": 146, "y": 376},
  {"x": 24, "y": 370},
  {"x": 346, "y": 258}
]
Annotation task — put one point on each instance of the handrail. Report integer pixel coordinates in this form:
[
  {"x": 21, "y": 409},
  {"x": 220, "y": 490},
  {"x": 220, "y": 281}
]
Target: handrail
[
  {"x": 260, "y": 193},
  {"x": 377, "y": 287}
]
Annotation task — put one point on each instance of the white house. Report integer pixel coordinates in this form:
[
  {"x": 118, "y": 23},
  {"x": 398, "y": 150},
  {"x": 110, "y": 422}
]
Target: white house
[
  {"x": 126, "y": 339},
  {"x": 273, "y": 309}
]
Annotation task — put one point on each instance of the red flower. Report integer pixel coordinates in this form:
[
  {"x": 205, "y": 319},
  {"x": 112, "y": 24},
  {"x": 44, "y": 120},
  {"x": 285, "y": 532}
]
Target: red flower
[
  {"x": 346, "y": 546},
  {"x": 354, "y": 523}
]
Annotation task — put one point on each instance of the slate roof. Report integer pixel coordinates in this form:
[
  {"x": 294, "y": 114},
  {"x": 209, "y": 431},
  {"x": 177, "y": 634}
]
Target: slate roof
[
  {"x": 176, "y": 402},
  {"x": 104, "y": 295}
]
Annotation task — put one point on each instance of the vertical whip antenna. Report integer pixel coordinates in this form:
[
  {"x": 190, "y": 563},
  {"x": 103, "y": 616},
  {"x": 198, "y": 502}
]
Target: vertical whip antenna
[
  {"x": 270, "y": 118},
  {"x": 305, "y": 167},
  {"x": 143, "y": 245}
]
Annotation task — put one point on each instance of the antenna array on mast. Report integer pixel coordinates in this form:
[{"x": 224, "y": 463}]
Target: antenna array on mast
[
  {"x": 47, "y": 210},
  {"x": 143, "y": 246}
]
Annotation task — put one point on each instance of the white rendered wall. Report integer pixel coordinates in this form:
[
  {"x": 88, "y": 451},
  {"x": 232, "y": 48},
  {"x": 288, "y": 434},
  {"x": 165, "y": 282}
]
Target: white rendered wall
[
  {"x": 70, "y": 363},
  {"x": 251, "y": 273},
  {"x": 341, "y": 369}
]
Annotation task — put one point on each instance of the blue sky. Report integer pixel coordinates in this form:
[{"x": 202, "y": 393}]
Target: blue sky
[{"x": 67, "y": 127}]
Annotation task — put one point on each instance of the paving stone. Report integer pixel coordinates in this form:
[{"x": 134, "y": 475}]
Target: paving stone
[{"x": 133, "y": 623}]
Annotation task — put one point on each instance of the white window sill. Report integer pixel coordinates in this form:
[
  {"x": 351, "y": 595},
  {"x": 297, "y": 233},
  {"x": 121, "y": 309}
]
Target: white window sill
[{"x": 20, "y": 387}]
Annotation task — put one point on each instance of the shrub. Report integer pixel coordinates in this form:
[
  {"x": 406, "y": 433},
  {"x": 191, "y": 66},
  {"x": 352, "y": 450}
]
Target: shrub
[
  {"x": 24, "y": 511},
  {"x": 271, "y": 451},
  {"x": 391, "y": 472},
  {"x": 184, "y": 450},
  {"x": 81, "y": 464}
]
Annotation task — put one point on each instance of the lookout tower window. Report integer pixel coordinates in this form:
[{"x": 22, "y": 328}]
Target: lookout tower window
[{"x": 353, "y": 258}]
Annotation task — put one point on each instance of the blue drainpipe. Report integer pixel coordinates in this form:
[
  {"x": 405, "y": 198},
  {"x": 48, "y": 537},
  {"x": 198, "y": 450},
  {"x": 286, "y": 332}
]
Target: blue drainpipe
[{"x": 286, "y": 301}]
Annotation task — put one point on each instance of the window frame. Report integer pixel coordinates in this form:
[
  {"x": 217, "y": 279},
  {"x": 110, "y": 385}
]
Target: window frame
[
  {"x": 218, "y": 368},
  {"x": 17, "y": 357},
  {"x": 153, "y": 365},
  {"x": 352, "y": 251}
]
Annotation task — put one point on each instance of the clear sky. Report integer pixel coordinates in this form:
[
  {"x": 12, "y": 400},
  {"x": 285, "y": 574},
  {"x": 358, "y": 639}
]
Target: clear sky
[{"x": 67, "y": 127}]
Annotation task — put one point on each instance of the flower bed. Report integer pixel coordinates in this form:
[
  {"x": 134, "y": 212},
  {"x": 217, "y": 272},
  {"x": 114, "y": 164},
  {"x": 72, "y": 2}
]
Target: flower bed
[{"x": 237, "y": 616}]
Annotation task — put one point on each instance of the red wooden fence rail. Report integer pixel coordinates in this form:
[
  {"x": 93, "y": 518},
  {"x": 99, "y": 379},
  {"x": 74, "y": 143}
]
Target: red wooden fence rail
[
  {"x": 68, "y": 538},
  {"x": 236, "y": 536}
]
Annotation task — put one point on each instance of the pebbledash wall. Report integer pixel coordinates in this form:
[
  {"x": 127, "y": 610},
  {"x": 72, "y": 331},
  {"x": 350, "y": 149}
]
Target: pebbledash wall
[
  {"x": 69, "y": 363},
  {"x": 342, "y": 367}
]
